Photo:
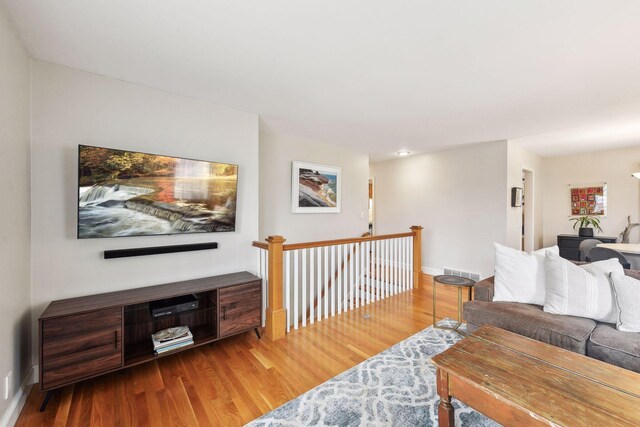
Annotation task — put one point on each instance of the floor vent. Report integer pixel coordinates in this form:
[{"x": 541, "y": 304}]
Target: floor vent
[{"x": 452, "y": 272}]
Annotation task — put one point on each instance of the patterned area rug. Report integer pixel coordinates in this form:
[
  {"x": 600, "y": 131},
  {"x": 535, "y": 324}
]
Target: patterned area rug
[{"x": 394, "y": 388}]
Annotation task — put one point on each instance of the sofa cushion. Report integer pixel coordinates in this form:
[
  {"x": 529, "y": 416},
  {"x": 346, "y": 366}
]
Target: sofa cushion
[
  {"x": 568, "y": 332},
  {"x": 520, "y": 276},
  {"x": 615, "y": 347},
  {"x": 627, "y": 292},
  {"x": 583, "y": 291}
]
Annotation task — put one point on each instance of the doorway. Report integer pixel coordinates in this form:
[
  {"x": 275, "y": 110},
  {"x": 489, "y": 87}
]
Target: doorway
[{"x": 528, "y": 219}]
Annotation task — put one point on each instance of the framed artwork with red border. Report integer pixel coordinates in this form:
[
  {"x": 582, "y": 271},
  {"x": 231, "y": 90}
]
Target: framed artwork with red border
[{"x": 588, "y": 200}]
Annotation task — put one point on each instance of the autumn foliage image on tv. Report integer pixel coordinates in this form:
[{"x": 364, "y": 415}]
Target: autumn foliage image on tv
[{"x": 126, "y": 193}]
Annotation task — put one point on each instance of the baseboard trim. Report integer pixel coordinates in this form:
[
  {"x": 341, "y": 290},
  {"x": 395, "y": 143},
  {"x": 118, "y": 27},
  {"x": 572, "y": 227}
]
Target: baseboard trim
[
  {"x": 432, "y": 271},
  {"x": 36, "y": 370},
  {"x": 17, "y": 403}
]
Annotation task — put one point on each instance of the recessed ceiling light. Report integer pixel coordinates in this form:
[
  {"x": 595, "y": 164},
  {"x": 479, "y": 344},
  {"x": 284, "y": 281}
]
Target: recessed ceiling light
[{"x": 403, "y": 153}]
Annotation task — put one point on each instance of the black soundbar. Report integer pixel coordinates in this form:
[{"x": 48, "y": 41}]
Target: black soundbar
[{"x": 122, "y": 253}]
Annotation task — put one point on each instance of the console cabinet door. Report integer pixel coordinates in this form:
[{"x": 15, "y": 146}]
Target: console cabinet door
[
  {"x": 80, "y": 345},
  {"x": 240, "y": 308}
]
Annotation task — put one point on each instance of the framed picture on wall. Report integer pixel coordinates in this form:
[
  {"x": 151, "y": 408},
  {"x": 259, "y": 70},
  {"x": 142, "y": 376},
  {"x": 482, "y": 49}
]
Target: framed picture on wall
[
  {"x": 516, "y": 197},
  {"x": 315, "y": 188},
  {"x": 588, "y": 199}
]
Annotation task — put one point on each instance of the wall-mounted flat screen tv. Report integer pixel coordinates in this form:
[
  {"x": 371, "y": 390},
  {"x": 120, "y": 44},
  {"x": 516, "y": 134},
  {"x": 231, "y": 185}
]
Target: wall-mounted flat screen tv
[{"x": 127, "y": 193}]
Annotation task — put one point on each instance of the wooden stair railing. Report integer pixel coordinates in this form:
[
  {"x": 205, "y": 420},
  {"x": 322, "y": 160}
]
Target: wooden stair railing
[{"x": 276, "y": 316}]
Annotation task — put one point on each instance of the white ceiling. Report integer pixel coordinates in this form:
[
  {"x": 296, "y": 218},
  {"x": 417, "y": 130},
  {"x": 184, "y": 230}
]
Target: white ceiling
[{"x": 377, "y": 76}]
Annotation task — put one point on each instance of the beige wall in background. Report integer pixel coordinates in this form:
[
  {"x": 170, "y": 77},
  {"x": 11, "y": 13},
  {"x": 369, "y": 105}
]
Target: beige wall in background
[
  {"x": 613, "y": 167},
  {"x": 72, "y": 107},
  {"x": 457, "y": 195},
  {"x": 15, "y": 305},
  {"x": 276, "y": 155}
]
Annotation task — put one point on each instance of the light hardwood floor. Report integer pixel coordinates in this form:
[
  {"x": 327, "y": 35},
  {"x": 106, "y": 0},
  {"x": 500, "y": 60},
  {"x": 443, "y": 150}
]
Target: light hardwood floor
[{"x": 236, "y": 380}]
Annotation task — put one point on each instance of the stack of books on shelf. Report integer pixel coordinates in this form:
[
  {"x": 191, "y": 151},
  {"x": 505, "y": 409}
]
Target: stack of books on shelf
[{"x": 171, "y": 339}]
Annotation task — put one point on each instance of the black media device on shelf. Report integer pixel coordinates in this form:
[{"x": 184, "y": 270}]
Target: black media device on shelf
[{"x": 165, "y": 307}]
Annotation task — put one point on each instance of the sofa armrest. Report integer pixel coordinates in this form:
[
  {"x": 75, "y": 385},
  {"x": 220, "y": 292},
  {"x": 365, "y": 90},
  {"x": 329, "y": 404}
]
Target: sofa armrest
[{"x": 483, "y": 290}]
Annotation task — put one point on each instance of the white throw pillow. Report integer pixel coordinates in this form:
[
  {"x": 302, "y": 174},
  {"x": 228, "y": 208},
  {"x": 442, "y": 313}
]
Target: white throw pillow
[
  {"x": 583, "y": 290},
  {"x": 627, "y": 295},
  {"x": 519, "y": 276}
]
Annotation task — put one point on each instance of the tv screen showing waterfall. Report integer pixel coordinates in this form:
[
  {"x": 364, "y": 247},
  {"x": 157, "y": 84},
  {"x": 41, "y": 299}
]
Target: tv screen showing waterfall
[{"x": 126, "y": 193}]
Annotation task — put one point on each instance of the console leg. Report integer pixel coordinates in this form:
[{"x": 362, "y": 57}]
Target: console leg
[
  {"x": 257, "y": 333},
  {"x": 46, "y": 401}
]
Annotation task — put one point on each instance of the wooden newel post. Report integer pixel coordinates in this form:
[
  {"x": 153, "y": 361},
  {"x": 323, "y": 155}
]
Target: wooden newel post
[
  {"x": 417, "y": 255},
  {"x": 275, "y": 326}
]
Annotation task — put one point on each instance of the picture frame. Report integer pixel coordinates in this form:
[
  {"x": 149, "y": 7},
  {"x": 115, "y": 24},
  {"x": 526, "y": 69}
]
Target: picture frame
[
  {"x": 315, "y": 188},
  {"x": 588, "y": 199},
  {"x": 516, "y": 197}
]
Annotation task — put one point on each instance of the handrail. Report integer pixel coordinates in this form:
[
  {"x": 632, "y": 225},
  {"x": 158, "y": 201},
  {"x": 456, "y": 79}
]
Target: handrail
[
  {"x": 321, "y": 243},
  {"x": 365, "y": 237},
  {"x": 260, "y": 245}
]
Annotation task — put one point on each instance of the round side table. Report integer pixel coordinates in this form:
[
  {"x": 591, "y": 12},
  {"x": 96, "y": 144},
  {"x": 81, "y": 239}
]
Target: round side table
[{"x": 460, "y": 283}]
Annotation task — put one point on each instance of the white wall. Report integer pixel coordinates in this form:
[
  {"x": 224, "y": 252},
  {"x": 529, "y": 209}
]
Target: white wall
[
  {"x": 14, "y": 227},
  {"x": 613, "y": 167},
  {"x": 457, "y": 195},
  {"x": 518, "y": 159},
  {"x": 276, "y": 155},
  {"x": 71, "y": 107}
]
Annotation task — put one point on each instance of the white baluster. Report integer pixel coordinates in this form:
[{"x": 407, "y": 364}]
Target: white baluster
[
  {"x": 354, "y": 295},
  {"x": 319, "y": 284},
  {"x": 326, "y": 282},
  {"x": 287, "y": 287},
  {"x": 303, "y": 305},
  {"x": 334, "y": 285},
  {"x": 369, "y": 263},
  {"x": 411, "y": 266},
  {"x": 406, "y": 263},
  {"x": 340, "y": 293},
  {"x": 386, "y": 268},
  {"x": 351, "y": 271},
  {"x": 402, "y": 275},
  {"x": 389, "y": 270},
  {"x": 296, "y": 302},
  {"x": 344, "y": 283},
  {"x": 363, "y": 274},
  {"x": 374, "y": 272},
  {"x": 390, "y": 267},
  {"x": 394, "y": 263},
  {"x": 371, "y": 271},
  {"x": 379, "y": 256},
  {"x": 312, "y": 278}
]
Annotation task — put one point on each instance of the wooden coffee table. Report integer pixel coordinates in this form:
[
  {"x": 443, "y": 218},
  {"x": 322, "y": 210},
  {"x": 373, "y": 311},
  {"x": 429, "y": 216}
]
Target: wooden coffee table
[{"x": 518, "y": 381}]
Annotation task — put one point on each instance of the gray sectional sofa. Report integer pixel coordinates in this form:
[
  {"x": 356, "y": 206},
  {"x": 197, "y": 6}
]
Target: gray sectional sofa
[{"x": 585, "y": 336}]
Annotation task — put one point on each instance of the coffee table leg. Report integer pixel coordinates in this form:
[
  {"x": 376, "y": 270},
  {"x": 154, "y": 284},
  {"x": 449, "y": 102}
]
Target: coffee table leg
[
  {"x": 459, "y": 305},
  {"x": 445, "y": 409},
  {"x": 434, "y": 303}
]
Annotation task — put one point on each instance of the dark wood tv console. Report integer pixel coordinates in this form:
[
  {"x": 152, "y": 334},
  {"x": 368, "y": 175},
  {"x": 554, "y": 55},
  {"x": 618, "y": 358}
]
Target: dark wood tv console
[{"x": 85, "y": 337}]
